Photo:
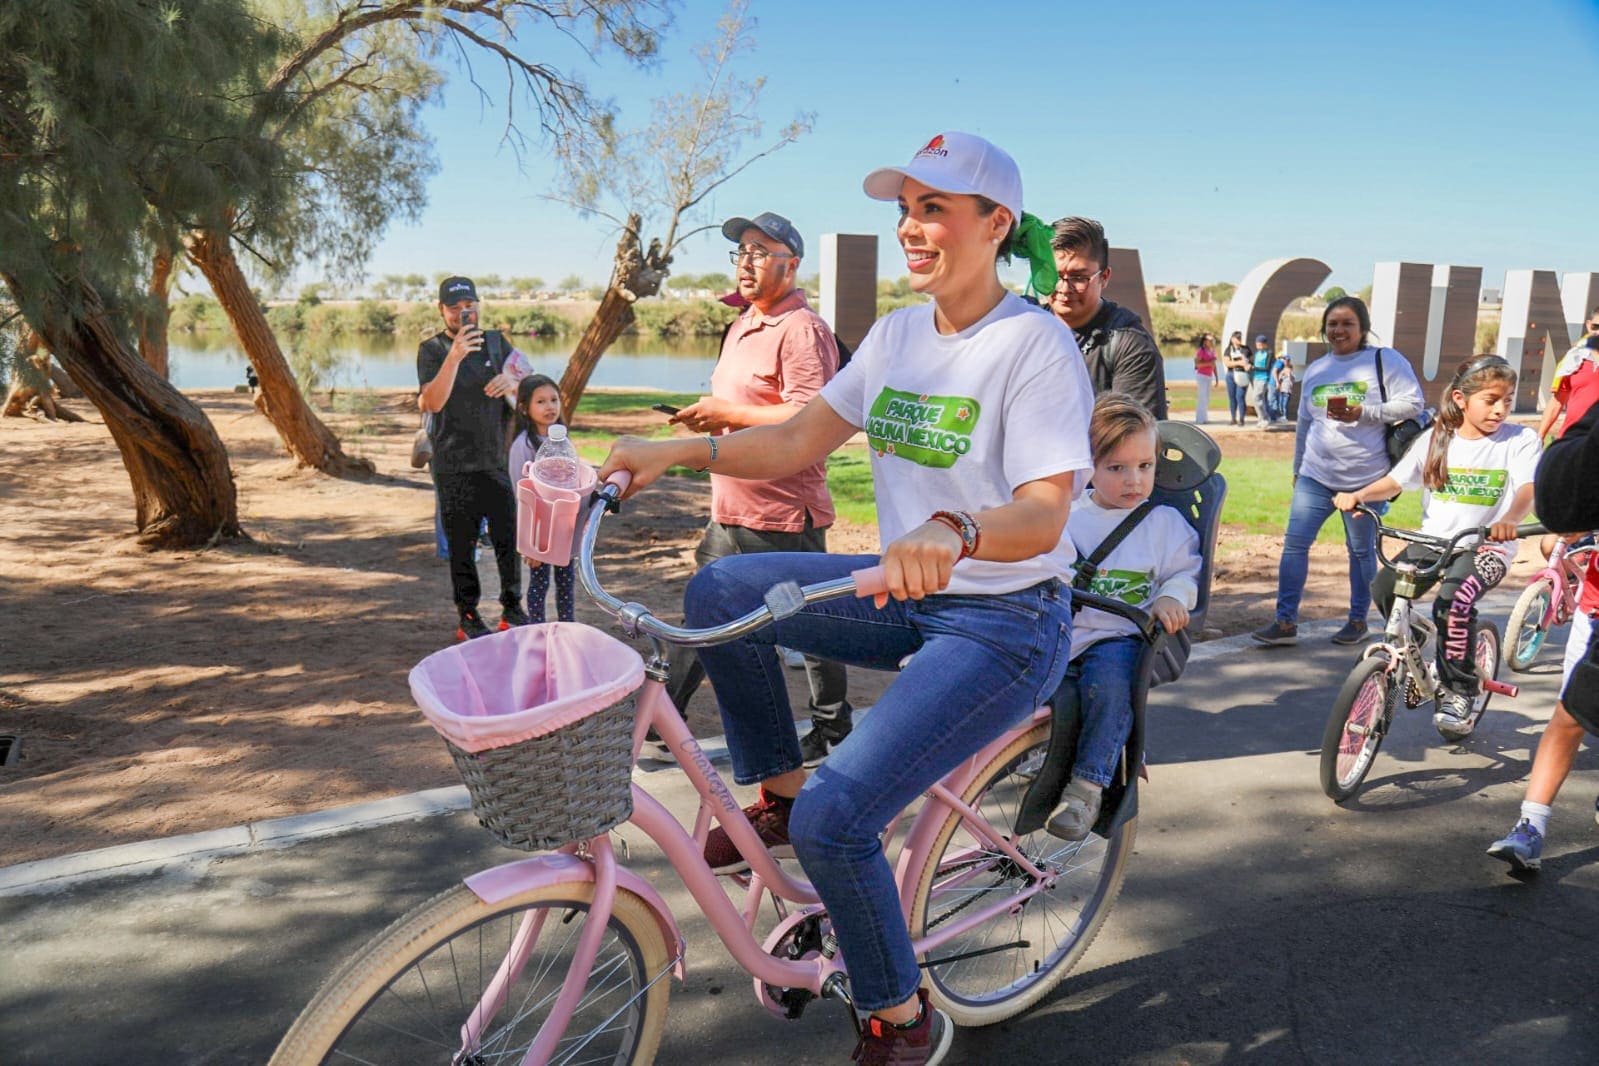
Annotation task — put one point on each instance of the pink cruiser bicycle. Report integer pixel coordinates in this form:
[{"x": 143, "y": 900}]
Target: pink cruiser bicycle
[
  {"x": 1549, "y": 600},
  {"x": 565, "y": 957}
]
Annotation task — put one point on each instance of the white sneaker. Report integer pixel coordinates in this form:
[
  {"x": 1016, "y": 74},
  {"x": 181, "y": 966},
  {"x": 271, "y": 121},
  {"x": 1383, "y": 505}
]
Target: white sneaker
[
  {"x": 1453, "y": 718},
  {"x": 792, "y": 659}
]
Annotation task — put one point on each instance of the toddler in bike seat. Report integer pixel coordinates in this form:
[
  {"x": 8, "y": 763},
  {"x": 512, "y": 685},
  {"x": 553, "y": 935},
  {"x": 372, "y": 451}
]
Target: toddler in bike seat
[
  {"x": 1474, "y": 469},
  {"x": 1152, "y": 563}
]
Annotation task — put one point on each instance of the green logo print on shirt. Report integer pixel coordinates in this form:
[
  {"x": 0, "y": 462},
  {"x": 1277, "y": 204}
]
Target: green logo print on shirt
[
  {"x": 1473, "y": 486},
  {"x": 1355, "y": 390},
  {"x": 1130, "y": 586},
  {"x": 928, "y": 430}
]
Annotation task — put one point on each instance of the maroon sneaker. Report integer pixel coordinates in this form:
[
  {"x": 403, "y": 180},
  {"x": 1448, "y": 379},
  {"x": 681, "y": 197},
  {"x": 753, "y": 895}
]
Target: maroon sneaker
[
  {"x": 924, "y": 1044},
  {"x": 769, "y": 816}
]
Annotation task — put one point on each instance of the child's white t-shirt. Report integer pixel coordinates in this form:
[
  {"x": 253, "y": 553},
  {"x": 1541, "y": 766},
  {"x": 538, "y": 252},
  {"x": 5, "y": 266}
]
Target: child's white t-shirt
[
  {"x": 1484, "y": 475},
  {"x": 959, "y": 422},
  {"x": 1159, "y": 557}
]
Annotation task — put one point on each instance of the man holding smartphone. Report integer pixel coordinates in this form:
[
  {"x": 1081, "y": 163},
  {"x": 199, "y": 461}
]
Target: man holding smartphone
[
  {"x": 468, "y": 380},
  {"x": 776, "y": 355}
]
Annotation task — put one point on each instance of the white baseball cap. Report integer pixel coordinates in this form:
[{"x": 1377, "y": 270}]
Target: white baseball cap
[{"x": 959, "y": 163}]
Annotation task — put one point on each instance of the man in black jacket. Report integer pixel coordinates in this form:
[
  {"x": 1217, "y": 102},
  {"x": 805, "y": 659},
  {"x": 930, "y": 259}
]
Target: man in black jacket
[
  {"x": 1567, "y": 501},
  {"x": 468, "y": 381},
  {"x": 1120, "y": 353}
]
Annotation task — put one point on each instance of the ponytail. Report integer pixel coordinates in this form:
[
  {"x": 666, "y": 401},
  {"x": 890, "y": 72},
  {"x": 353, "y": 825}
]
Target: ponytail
[{"x": 1473, "y": 375}]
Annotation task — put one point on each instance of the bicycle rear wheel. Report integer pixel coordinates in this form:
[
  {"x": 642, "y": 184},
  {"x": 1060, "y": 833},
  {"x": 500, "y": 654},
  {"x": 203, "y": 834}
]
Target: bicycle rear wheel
[
  {"x": 1525, "y": 632},
  {"x": 404, "y": 998},
  {"x": 1487, "y": 664},
  {"x": 1004, "y": 966},
  {"x": 1355, "y": 727}
]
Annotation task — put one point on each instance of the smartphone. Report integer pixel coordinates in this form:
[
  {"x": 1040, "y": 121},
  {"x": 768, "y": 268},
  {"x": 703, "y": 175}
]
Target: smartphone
[
  {"x": 1338, "y": 405},
  {"x": 665, "y": 409},
  {"x": 469, "y": 318}
]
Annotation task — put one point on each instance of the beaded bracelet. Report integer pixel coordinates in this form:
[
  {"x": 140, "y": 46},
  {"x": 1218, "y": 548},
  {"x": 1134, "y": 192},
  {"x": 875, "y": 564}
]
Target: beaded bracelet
[{"x": 965, "y": 526}]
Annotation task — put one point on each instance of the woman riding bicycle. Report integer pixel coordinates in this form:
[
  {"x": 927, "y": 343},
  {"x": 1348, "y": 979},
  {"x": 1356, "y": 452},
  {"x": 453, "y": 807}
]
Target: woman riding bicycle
[{"x": 976, "y": 408}]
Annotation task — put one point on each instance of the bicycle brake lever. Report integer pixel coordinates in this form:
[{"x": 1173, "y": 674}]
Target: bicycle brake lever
[{"x": 785, "y": 600}]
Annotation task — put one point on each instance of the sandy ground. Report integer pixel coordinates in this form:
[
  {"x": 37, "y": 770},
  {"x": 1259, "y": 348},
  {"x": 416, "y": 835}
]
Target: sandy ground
[{"x": 157, "y": 694}]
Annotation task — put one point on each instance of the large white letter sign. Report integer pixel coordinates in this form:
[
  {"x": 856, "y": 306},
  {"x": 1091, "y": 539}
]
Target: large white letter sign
[
  {"x": 1126, "y": 285},
  {"x": 1532, "y": 332},
  {"x": 1430, "y": 314},
  {"x": 848, "y": 300},
  {"x": 1266, "y": 291},
  {"x": 1579, "y": 294}
]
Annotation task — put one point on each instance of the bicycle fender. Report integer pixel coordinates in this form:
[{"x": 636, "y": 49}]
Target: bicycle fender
[{"x": 504, "y": 881}]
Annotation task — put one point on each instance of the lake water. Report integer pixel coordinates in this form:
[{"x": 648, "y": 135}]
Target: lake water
[{"x": 214, "y": 361}]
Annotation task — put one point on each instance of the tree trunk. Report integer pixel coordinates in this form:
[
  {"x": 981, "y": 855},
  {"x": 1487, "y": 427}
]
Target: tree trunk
[
  {"x": 634, "y": 274},
  {"x": 308, "y": 440},
  {"x": 183, "y": 493},
  {"x": 153, "y": 321},
  {"x": 33, "y": 386}
]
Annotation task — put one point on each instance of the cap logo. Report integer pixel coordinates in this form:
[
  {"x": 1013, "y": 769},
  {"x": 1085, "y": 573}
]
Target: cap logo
[{"x": 933, "y": 147}]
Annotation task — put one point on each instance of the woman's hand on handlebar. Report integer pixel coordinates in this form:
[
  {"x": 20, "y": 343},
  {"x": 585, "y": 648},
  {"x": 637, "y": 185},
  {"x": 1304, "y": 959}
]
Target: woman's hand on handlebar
[
  {"x": 919, "y": 563},
  {"x": 645, "y": 460},
  {"x": 1346, "y": 501}
]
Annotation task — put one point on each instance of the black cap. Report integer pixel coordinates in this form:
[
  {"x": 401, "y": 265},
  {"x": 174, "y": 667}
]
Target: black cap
[{"x": 453, "y": 290}]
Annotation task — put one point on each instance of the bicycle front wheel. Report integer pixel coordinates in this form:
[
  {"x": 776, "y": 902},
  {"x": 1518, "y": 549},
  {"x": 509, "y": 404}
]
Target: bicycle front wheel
[
  {"x": 1003, "y": 966},
  {"x": 406, "y": 996},
  {"x": 1525, "y": 632},
  {"x": 1355, "y": 728}
]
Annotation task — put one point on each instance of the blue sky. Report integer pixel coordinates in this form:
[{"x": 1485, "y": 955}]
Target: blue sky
[{"x": 1209, "y": 136}]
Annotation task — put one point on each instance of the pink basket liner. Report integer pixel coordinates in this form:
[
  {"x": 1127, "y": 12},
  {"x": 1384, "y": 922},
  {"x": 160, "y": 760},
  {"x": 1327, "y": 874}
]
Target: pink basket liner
[{"x": 524, "y": 682}]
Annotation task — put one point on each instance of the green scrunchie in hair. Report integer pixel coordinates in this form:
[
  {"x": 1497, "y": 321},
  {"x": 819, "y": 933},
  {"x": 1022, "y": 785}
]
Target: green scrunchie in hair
[{"x": 1032, "y": 243}]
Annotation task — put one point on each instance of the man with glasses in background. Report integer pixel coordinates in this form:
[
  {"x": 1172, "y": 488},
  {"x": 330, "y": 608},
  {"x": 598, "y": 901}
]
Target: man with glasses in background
[
  {"x": 1576, "y": 384},
  {"x": 1120, "y": 353},
  {"x": 776, "y": 356}
]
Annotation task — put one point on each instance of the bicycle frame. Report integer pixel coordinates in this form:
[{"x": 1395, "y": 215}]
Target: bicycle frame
[
  {"x": 595, "y": 860},
  {"x": 1564, "y": 573}
]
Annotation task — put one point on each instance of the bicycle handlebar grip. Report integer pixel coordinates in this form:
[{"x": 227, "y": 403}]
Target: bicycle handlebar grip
[
  {"x": 1531, "y": 529},
  {"x": 870, "y": 582},
  {"x": 621, "y": 479},
  {"x": 1501, "y": 688}
]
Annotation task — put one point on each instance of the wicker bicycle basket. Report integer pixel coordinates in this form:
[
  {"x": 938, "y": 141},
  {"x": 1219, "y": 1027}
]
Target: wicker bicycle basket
[{"x": 539, "y": 721}]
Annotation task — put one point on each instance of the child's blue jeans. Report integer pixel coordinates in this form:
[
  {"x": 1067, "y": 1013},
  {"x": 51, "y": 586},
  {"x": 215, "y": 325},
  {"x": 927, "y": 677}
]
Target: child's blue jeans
[
  {"x": 982, "y": 664},
  {"x": 1103, "y": 677}
]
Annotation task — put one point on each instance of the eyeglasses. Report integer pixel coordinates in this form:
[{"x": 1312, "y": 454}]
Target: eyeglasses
[
  {"x": 1077, "y": 282},
  {"x": 756, "y": 256}
]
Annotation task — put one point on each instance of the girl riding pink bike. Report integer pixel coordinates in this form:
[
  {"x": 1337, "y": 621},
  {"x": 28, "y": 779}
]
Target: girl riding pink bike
[{"x": 976, "y": 409}]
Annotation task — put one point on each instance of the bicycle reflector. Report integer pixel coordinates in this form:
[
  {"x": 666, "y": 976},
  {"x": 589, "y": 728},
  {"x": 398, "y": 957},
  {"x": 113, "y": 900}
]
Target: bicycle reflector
[{"x": 785, "y": 600}]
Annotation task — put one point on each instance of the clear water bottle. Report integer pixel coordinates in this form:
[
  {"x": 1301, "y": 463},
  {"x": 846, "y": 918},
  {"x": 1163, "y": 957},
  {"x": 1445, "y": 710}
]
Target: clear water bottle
[{"x": 556, "y": 463}]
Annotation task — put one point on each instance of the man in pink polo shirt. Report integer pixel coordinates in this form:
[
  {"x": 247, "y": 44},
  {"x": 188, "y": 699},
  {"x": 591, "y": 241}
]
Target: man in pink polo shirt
[{"x": 775, "y": 357}]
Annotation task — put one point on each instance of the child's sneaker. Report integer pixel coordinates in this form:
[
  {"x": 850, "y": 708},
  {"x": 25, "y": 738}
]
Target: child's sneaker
[
  {"x": 471, "y": 626},
  {"x": 924, "y": 1044},
  {"x": 512, "y": 614},
  {"x": 769, "y": 816},
  {"x": 1077, "y": 812},
  {"x": 1454, "y": 719},
  {"x": 1522, "y": 849}
]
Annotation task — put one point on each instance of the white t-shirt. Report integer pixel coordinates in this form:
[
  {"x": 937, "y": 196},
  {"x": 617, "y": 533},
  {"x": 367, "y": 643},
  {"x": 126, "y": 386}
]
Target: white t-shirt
[
  {"x": 959, "y": 422},
  {"x": 1483, "y": 478},
  {"x": 1345, "y": 456},
  {"x": 1160, "y": 557}
]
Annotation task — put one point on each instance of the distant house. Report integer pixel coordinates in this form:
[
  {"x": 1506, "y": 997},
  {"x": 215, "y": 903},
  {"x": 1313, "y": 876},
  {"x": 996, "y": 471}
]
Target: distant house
[
  {"x": 1492, "y": 298},
  {"x": 1192, "y": 295}
]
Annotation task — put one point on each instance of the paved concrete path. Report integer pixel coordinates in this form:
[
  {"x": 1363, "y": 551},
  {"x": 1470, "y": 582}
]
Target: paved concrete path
[{"x": 1259, "y": 923}]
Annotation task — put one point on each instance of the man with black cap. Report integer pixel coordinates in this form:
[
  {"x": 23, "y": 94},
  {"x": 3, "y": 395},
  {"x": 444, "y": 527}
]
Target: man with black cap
[
  {"x": 775, "y": 357},
  {"x": 468, "y": 380}
]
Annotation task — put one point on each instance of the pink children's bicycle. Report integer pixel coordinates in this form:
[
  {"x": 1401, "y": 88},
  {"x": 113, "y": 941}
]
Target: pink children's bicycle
[
  {"x": 1549, "y": 600},
  {"x": 566, "y": 957}
]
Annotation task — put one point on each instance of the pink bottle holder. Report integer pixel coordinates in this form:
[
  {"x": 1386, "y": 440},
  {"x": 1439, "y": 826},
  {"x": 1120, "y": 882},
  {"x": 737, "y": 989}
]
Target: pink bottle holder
[{"x": 547, "y": 516}]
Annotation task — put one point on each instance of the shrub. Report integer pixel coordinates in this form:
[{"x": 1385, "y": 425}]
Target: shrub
[
  {"x": 1487, "y": 336},
  {"x": 286, "y": 318},
  {"x": 374, "y": 317},
  {"x": 325, "y": 320},
  {"x": 196, "y": 314},
  {"x": 417, "y": 322}
]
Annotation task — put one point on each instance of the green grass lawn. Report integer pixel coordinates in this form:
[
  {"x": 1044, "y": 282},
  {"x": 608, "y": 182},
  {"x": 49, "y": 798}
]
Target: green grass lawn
[{"x": 1259, "y": 492}]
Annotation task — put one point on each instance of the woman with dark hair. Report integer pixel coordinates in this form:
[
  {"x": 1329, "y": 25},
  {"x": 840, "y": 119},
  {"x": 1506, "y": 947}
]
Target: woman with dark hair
[
  {"x": 1204, "y": 377},
  {"x": 1346, "y": 404},
  {"x": 1236, "y": 362},
  {"x": 976, "y": 408}
]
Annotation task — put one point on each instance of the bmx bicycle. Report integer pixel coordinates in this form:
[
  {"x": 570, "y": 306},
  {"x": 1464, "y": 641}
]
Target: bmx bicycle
[
  {"x": 565, "y": 957},
  {"x": 1396, "y": 669},
  {"x": 1549, "y": 600}
]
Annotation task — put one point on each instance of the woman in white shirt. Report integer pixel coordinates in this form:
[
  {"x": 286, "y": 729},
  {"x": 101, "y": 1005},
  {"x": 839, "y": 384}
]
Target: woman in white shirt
[
  {"x": 976, "y": 408},
  {"x": 1340, "y": 445}
]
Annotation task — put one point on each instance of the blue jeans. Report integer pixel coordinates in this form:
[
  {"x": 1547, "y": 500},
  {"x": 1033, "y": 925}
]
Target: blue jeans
[
  {"x": 984, "y": 664},
  {"x": 1103, "y": 676},
  {"x": 1311, "y": 508},
  {"x": 1237, "y": 399}
]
